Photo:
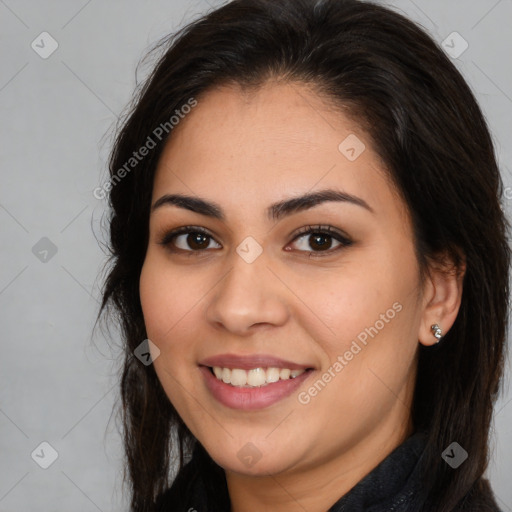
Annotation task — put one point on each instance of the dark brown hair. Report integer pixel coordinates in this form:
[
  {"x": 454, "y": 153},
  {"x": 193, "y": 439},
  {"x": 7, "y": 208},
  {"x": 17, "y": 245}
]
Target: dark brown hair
[{"x": 428, "y": 129}]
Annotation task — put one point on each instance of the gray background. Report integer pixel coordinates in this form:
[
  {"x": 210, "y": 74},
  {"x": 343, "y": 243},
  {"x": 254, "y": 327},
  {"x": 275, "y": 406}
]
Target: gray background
[{"x": 58, "y": 379}]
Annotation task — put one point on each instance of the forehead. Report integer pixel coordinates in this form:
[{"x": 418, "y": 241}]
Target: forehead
[{"x": 254, "y": 148}]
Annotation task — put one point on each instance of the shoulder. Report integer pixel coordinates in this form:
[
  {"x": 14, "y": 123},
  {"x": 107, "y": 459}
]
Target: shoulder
[{"x": 479, "y": 499}]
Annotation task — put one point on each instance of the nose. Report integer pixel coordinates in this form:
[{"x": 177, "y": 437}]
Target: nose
[{"x": 248, "y": 298}]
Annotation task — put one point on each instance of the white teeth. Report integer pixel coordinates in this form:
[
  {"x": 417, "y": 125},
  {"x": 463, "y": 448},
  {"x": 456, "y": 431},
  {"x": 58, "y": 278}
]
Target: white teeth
[
  {"x": 256, "y": 377},
  {"x": 284, "y": 374},
  {"x": 238, "y": 377},
  {"x": 226, "y": 375},
  {"x": 272, "y": 374}
]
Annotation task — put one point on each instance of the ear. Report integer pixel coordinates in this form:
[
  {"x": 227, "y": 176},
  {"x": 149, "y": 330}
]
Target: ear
[{"x": 442, "y": 295}]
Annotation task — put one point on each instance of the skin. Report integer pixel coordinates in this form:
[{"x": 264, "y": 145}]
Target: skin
[{"x": 244, "y": 151}]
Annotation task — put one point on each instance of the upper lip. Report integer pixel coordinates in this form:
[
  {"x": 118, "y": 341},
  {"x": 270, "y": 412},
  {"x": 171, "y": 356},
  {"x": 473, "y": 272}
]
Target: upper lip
[{"x": 250, "y": 362}]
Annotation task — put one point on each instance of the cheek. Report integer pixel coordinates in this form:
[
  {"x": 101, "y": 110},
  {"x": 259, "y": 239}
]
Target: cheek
[
  {"x": 164, "y": 306},
  {"x": 351, "y": 300},
  {"x": 369, "y": 357},
  {"x": 167, "y": 298},
  {"x": 167, "y": 310},
  {"x": 370, "y": 308},
  {"x": 154, "y": 299},
  {"x": 173, "y": 303}
]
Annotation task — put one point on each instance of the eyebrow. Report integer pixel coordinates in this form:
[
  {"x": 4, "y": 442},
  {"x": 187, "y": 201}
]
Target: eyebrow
[{"x": 275, "y": 211}]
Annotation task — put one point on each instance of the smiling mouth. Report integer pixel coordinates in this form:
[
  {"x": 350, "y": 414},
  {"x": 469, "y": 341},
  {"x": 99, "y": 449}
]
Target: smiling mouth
[{"x": 255, "y": 377}]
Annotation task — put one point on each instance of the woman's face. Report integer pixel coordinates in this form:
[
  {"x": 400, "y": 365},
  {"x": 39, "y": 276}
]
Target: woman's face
[{"x": 341, "y": 308}]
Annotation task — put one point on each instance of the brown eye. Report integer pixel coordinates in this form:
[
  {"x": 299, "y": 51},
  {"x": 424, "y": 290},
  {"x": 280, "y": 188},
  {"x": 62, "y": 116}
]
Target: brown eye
[
  {"x": 196, "y": 241},
  {"x": 321, "y": 242},
  {"x": 188, "y": 239},
  {"x": 316, "y": 242},
  {"x": 320, "y": 239}
]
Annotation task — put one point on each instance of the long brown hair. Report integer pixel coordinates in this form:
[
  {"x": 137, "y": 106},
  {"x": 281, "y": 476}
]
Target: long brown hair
[{"x": 429, "y": 130}]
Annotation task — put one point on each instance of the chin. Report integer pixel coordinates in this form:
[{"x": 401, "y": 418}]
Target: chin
[
  {"x": 261, "y": 468},
  {"x": 249, "y": 460}
]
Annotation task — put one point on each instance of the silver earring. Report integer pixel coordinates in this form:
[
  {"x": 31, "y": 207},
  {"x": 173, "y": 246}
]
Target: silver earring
[{"x": 437, "y": 332}]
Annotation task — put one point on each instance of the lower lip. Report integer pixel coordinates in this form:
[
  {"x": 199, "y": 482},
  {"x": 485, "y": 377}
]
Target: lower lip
[{"x": 251, "y": 398}]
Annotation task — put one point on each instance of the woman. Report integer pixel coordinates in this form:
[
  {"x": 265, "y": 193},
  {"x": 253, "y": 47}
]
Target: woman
[{"x": 308, "y": 244}]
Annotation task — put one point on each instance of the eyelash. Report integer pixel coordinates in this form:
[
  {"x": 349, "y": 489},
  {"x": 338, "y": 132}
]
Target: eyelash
[{"x": 329, "y": 231}]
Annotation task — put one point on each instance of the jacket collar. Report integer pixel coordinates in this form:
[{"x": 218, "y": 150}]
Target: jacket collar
[{"x": 392, "y": 486}]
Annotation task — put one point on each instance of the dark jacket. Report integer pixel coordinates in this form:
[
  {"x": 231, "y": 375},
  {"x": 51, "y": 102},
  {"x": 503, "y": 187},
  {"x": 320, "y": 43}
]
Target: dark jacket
[{"x": 393, "y": 486}]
